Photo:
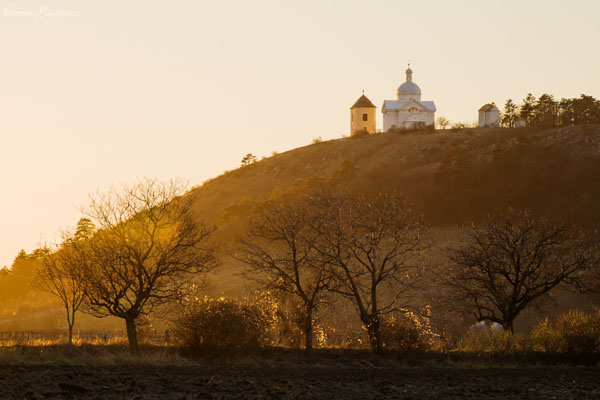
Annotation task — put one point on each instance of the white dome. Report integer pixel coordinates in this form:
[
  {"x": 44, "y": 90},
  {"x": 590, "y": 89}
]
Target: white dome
[{"x": 409, "y": 88}]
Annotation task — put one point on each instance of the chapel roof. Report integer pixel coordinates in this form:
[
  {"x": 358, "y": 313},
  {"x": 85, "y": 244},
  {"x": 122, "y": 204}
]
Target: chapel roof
[
  {"x": 488, "y": 107},
  {"x": 392, "y": 105},
  {"x": 363, "y": 102}
]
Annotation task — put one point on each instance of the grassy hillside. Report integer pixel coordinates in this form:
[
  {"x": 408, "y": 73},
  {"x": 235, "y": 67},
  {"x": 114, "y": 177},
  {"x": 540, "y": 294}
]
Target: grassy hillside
[{"x": 452, "y": 177}]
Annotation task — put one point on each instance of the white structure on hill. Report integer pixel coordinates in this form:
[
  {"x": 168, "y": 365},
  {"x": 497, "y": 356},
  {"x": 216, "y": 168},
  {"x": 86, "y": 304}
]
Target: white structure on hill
[
  {"x": 489, "y": 115},
  {"x": 520, "y": 122},
  {"x": 408, "y": 111}
]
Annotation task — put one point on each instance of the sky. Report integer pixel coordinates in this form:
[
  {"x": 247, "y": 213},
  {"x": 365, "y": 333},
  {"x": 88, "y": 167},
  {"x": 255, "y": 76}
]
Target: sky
[{"x": 97, "y": 93}]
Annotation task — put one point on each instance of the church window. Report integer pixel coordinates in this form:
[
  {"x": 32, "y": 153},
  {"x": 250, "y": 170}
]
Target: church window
[
  {"x": 365, "y": 117},
  {"x": 413, "y": 109}
]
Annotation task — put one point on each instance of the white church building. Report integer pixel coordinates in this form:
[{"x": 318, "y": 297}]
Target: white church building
[
  {"x": 408, "y": 111},
  {"x": 489, "y": 115}
]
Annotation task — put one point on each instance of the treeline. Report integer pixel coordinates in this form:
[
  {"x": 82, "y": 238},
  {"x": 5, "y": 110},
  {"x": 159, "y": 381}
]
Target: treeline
[
  {"x": 313, "y": 253},
  {"x": 547, "y": 112}
]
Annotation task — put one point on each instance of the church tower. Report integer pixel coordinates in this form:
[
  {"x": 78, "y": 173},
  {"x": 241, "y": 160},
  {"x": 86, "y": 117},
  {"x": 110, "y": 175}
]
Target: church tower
[{"x": 362, "y": 116}]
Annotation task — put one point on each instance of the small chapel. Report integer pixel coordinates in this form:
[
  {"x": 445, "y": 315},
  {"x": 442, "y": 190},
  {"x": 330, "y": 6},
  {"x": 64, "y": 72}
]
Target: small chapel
[{"x": 408, "y": 110}]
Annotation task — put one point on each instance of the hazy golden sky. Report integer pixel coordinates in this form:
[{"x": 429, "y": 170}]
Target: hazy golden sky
[{"x": 101, "y": 92}]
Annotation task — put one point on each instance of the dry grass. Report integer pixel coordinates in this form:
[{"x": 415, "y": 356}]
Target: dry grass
[{"x": 38, "y": 352}]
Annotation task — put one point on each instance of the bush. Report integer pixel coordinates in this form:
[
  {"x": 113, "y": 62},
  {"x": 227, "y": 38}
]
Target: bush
[
  {"x": 419, "y": 126},
  {"x": 407, "y": 332},
  {"x": 578, "y": 332},
  {"x": 458, "y": 126},
  {"x": 487, "y": 339},
  {"x": 222, "y": 327},
  {"x": 544, "y": 337}
]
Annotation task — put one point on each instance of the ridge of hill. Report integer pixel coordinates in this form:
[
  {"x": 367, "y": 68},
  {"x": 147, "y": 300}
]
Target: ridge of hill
[{"x": 451, "y": 177}]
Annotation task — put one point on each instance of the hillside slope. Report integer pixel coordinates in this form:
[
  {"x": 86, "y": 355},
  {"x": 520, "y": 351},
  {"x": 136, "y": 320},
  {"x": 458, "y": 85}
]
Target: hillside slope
[{"x": 452, "y": 177}]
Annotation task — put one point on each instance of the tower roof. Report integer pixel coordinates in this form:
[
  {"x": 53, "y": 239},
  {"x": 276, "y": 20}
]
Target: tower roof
[{"x": 363, "y": 102}]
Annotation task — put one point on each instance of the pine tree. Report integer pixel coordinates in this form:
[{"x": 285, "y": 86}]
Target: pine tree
[
  {"x": 527, "y": 109},
  {"x": 510, "y": 114}
]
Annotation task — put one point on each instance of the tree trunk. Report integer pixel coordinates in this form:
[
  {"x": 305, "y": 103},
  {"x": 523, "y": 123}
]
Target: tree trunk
[
  {"x": 373, "y": 328},
  {"x": 308, "y": 331},
  {"x": 372, "y": 325},
  {"x": 70, "y": 324},
  {"x": 132, "y": 337},
  {"x": 70, "y": 335},
  {"x": 508, "y": 326}
]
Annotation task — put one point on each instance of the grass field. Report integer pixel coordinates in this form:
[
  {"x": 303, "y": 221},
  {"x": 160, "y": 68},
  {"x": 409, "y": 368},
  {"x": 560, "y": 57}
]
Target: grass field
[{"x": 109, "y": 372}]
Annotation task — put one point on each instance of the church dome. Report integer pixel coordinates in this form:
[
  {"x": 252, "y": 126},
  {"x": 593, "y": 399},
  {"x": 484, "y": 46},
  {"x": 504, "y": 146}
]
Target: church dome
[{"x": 409, "y": 89}]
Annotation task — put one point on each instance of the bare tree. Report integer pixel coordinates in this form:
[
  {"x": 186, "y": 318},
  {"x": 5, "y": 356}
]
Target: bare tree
[
  {"x": 442, "y": 122},
  {"x": 279, "y": 252},
  {"x": 373, "y": 246},
  {"x": 147, "y": 243},
  {"x": 511, "y": 261},
  {"x": 61, "y": 271}
]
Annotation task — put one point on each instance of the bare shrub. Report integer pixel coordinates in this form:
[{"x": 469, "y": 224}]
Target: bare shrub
[
  {"x": 578, "y": 332},
  {"x": 573, "y": 332},
  {"x": 222, "y": 327},
  {"x": 544, "y": 337},
  {"x": 487, "y": 340},
  {"x": 407, "y": 332}
]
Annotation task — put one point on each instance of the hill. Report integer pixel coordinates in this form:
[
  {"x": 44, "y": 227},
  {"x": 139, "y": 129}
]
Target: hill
[{"x": 452, "y": 177}]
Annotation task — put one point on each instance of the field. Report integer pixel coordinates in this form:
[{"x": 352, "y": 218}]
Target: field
[
  {"x": 108, "y": 372},
  {"x": 333, "y": 380}
]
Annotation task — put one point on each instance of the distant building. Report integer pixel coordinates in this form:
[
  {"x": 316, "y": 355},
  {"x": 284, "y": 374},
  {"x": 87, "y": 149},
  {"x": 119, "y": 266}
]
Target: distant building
[
  {"x": 408, "y": 111},
  {"x": 520, "y": 122},
  {"x": 489, "y": 115},
  {"x": 362, "y": 116}
]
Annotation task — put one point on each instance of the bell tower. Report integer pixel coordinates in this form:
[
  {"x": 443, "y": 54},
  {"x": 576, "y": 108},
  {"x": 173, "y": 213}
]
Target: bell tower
[{"x": 362, "y": 116}]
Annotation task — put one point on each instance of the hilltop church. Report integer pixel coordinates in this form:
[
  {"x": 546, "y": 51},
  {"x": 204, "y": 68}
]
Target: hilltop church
[{"x": 407, "y": 111}]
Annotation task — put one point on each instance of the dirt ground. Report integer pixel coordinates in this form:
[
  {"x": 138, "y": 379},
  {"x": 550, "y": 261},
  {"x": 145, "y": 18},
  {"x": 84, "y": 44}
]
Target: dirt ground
[{"x": 358, "y": 380}]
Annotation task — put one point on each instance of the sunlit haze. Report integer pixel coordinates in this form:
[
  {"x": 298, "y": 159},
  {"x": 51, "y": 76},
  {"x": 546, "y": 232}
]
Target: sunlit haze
[{"x": 96, "y": 93}]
